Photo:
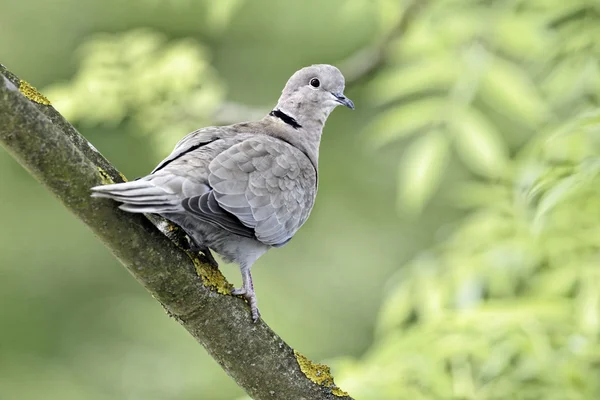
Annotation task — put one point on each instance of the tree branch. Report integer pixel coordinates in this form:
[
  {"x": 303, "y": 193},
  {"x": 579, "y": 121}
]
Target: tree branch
[
  {"x": 365, "y": 62},
  {"x": 190, "y": 291}
]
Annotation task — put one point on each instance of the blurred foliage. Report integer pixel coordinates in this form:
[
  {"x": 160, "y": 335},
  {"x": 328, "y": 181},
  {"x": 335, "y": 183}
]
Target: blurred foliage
[
  {"x": 161, "y": 88},
  {"x": 467, "y": 69},
  {"x": 508, "y": 305},
  {"x": 489, "y": 107}
]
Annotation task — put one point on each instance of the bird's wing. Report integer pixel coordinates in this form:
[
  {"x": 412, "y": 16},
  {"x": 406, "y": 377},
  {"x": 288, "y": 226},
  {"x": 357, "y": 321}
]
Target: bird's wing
[
  {"x": 192, "y": 141},
  {"x": 268, "y": 185},
  {"x": 184, "y": 173}
]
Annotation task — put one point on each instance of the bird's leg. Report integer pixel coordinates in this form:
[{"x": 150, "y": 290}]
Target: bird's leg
[{"x": 247, "y": 291}]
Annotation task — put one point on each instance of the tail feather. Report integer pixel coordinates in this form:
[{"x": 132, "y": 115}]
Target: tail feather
[
  {"x": 151, "y": 191},
  {"x": 141, "y": 196},
  {"x": 134, "y": 199},
  {"x": 149, "y": 208},
  {"x": 125, "y": 186}
]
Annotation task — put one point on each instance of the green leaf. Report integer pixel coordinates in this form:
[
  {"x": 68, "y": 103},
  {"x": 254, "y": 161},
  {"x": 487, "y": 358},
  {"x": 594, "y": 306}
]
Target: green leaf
[
  {"x": 478, "y": 142},
  {"x": 556, "y": 195},
  {"x": 421, "y": 170},
  {"x": 396, "y": 309},
  {"x": 402, "y": 121},
  {"x": 509, "y": 90},
  {"x": 433, "y": 74},
  {"x": 419, "y": 42},
  {"x": 521, "y": 35},
  {"x": 390, "y": 14}
]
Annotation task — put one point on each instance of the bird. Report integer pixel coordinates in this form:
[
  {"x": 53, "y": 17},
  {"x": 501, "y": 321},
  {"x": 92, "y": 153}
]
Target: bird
[{"x": 245, "y": 188}]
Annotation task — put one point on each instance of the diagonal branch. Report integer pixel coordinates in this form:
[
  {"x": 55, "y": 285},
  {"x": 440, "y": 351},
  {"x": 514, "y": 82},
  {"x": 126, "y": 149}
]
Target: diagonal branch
[{"x": 190, "y": 291}]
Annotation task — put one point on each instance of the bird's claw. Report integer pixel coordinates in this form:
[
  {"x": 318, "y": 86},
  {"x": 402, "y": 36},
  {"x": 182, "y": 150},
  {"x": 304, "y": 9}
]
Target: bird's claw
[
  {"x": 250, "y": 298},
  {"x": 238, "y": 291}
]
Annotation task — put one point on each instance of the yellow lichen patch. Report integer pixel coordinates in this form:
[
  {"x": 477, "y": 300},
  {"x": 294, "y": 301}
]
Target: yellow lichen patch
[
  {"x": 105, "y": 177},
  {"x": 123, "y": 177},
  {"x": 32, "y": 94},
  {"x": 211, "y": 276},
  {"x": 171, "y": 227},
  {"x": 319, "y": 374}
]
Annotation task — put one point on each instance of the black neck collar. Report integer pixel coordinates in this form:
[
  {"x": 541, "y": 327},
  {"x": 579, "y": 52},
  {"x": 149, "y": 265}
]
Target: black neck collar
[{"x": 277, "y": 113}]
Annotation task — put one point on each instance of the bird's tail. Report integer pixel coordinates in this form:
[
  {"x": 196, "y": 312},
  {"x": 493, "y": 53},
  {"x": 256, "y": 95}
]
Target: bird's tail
[{"x": 141, "y": 196}]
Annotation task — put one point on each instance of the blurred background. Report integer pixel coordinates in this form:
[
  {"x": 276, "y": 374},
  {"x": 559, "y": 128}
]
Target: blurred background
[{"x": 453, "y": 250}]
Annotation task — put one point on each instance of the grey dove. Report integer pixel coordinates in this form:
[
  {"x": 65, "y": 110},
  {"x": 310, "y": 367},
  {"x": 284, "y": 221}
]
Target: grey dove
[{"x": 241, "y": 189}]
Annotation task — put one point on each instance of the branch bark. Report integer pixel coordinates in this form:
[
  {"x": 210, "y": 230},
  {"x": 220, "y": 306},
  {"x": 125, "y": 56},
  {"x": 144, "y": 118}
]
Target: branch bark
[{"x": 189, "y": 290}]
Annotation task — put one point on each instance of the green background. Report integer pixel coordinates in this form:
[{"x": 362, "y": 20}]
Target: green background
[{"x": 460, "y": 111}]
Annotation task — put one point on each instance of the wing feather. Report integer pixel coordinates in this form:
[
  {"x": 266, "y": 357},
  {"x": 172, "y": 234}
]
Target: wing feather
[
  {"x": 269, "y": 185},
  {"x": 252, "y": 185}
]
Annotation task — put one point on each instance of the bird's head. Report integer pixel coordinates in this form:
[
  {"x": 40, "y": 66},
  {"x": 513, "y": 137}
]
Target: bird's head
[{"x": 313, "y": 92}]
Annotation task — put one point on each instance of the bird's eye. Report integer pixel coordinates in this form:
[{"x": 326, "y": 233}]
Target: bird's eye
[{"x": 314, "y": 82}]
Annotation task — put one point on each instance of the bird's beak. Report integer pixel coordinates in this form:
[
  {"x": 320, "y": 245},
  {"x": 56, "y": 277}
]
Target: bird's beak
[{"x": 343, "y": 100}]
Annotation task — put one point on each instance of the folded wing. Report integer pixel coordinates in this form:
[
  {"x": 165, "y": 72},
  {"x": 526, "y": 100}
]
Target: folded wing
[{"x": 264, "y": 183}]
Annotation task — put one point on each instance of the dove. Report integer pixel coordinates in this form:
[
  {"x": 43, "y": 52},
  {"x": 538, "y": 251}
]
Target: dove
[{"x": 242, "y": 189}]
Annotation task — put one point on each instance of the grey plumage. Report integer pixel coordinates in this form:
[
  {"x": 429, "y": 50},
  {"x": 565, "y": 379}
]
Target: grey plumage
[{"x": 242, "y": 189}]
